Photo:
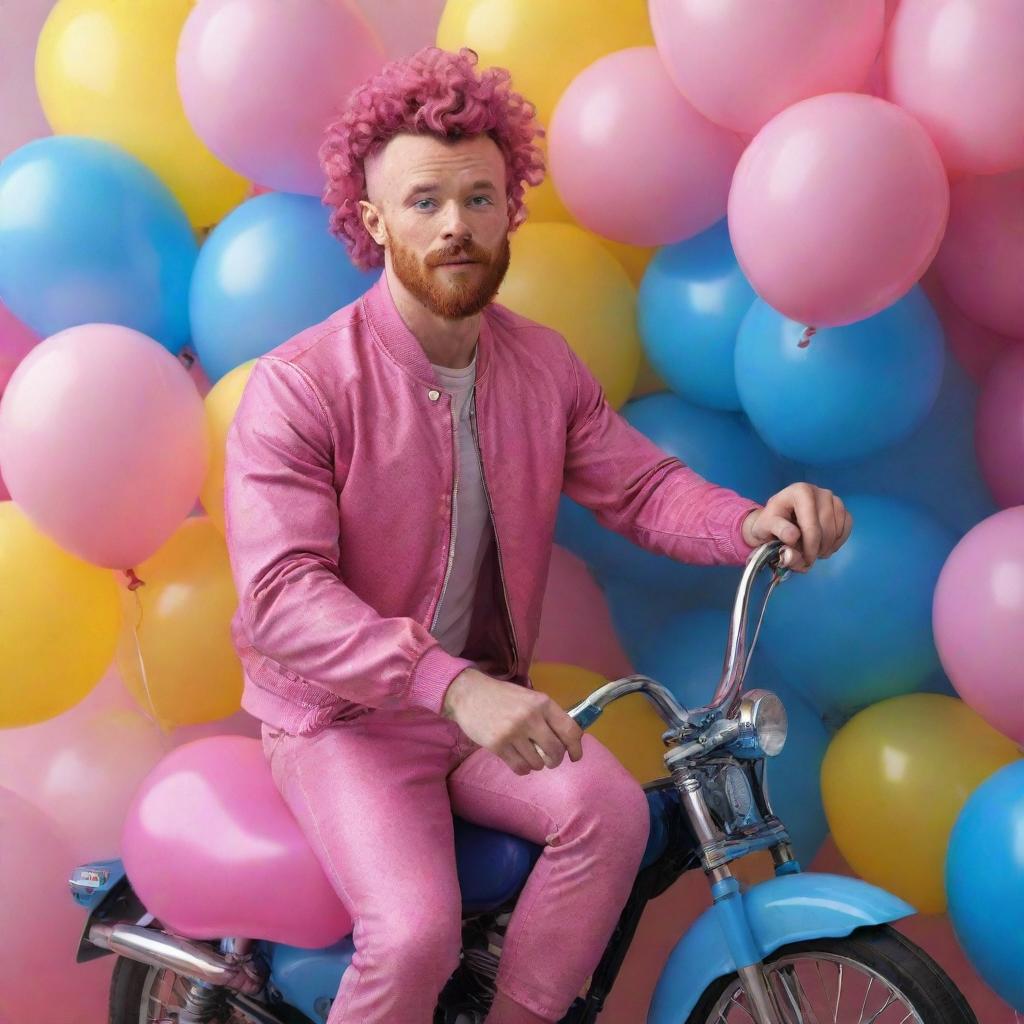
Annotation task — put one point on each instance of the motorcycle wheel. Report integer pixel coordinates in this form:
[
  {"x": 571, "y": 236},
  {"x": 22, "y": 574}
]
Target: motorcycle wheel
[
  {"x": 874, "y": 974},
  {"x": 140, "y": 994}
]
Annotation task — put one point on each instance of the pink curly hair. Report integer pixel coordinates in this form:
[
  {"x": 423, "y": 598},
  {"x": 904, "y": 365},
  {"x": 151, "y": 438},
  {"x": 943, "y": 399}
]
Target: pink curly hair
[{"x": 437, "y": 92}]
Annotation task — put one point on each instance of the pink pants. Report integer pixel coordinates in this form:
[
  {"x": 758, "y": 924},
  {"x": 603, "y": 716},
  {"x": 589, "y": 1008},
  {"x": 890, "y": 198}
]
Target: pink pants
[{"x": 375, "y": 798}]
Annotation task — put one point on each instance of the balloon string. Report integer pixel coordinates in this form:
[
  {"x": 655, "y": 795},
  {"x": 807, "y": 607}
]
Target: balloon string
[
  {"x": 154, "y": 717},
  {"x": 805, "y": 338}
]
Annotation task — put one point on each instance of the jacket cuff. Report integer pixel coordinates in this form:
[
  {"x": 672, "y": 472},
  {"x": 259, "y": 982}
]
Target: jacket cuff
[
  {"x": 740, "y": 547},
  {"x": 432, "y": 676}
]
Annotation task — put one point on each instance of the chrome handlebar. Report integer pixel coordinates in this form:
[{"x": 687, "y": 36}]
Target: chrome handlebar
[{"x": 734, "y": 668}]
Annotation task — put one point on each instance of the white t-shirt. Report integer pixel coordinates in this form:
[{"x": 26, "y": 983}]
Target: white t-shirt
[{"x": 472, "y": 519}]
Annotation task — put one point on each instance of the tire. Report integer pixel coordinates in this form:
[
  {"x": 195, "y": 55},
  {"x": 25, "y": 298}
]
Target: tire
[
  {"x": 884, "y": 951},
  {"x": 126, "y": 987}
]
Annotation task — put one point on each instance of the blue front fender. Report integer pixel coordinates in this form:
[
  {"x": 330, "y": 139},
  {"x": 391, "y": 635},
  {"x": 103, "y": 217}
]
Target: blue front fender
[{"x": 789, "y": 908}]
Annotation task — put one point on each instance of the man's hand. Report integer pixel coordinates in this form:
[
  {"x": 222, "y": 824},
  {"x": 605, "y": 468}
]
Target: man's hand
[
  {"x": 811, "y": 521},
  {"x": 508, "y": 719}
]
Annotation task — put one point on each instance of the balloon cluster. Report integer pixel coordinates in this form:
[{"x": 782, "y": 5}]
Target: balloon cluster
[{"x": 786, "y": 238}]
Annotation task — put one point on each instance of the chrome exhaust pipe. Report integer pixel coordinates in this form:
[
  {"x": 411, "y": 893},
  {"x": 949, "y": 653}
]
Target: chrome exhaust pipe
[{"x": 158, "y": 949}]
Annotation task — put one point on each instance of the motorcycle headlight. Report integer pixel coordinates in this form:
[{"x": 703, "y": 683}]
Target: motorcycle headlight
[{"x": 763, "y": 718}]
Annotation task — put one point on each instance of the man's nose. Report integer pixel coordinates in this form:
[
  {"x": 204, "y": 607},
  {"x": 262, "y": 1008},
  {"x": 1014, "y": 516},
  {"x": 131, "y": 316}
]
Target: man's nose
[{"x": 455, "y": 228}]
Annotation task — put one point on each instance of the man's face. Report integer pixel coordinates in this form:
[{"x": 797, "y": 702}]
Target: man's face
[{"x": 439, "y": 210}]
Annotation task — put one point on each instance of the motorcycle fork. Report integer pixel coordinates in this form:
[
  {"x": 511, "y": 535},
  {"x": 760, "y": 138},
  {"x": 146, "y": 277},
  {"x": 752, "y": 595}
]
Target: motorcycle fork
[{"x": 728, "y": 903}]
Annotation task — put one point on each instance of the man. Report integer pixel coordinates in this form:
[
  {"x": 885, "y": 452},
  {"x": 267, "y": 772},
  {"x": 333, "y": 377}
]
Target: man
[{"x": 392, "y": 484}]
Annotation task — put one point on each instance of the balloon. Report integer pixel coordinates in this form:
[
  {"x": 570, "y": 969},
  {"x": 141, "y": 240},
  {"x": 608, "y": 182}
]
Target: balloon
[
  {"x": 221, "y": 404},
  {"x": 719, "y": 446},
  {"x": 189, "y": 670},
  {"x": 212, "y": 849},
  {"x": 985, "y": 880},
  {"x": 975, "y": 347},
  {"x": 544, "y": 45},
  {"x": 103, "y": 442},
  {"x": 959, "y": 69},
  {"x": 564, "y": 278},
  {"x": 685, "y": 654},
  {"x": 979, "y": 619},
  {"x": 851, "y": 391},
  {"x": 107, "y": 71},
  {"x": 39, "y": 979},
  {"x": 857, "y": 628},
  {"x": 983, "y": 249},
  {"x": 691, "y": 302},
  {"x": 115, "y": 248},
  {"x": 63, "y": 765},
  {"x": 999, "y": 428},
  {"x": 634, "y": 258},
  {"x": 21, "y": 116},
  {"x": 740, "y": 63},
  {"x": 575, "y": 626},
  {"x": 403, "y": 26},
  {"x": 905, "y": 767},
  {"x": 632, "y": 160},
  {"x": 934, "y": 466},
  {"x": 631, "y": 729},
  {"x": 837, "y": 207},
  {"x": 310, "y": 55},
  {"x": 266, "y": 272},
  {"x": 59, "y": 619}
]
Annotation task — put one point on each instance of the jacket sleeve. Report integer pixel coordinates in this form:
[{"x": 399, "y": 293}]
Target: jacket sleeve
[
  {"x": 282, "y": 526},
  {"x": 640, "y": 491}
]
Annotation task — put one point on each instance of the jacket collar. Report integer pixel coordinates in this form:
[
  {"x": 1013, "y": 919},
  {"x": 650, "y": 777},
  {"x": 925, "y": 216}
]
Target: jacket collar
[{"x": 389, "y": 328}]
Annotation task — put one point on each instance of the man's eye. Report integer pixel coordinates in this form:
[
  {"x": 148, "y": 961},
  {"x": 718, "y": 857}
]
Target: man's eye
[
  {"x": 486, "y": 199},
  {"x": 418, "y": 203}
]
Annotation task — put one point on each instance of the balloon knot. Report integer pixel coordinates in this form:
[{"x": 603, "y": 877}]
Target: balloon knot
[
  {"x": 805, "y": 338},
  {"x": 187, "y": 358},
  {"x": 133, "y": 581}
]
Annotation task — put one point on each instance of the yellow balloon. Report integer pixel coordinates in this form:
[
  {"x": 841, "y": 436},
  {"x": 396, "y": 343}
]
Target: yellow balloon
[
  {"x": 633, "y": 257},
  {"x": 177, "y": 635},
  {"x": 894, "y": 780},
  {"x": 630, "y": 728},
  {"x": 543, "y": 43},
  {"x": 106, "y": 68},
  {"x": 565, "y": 278},
  {"x": 59, "y": 620},
  {"x": 221, "y": 404}
]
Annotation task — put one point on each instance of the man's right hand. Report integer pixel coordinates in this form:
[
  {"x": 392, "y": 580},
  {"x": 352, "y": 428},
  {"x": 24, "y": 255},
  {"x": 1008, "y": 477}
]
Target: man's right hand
[{"x": 508, "y": 719}]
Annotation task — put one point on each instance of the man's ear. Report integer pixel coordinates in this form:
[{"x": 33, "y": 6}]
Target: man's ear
[{"x": 372, "y": 221}]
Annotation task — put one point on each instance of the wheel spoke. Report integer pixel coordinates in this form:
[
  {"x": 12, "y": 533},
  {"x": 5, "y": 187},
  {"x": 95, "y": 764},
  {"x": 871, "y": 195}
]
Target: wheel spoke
[
  {"x": 860, "y": 1016},
  {"x": 839, "y": 995},
  {"x": 892, "y": 998}
]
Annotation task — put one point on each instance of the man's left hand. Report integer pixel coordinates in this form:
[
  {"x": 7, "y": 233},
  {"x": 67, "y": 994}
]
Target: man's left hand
[{"x": 811, "y": 522}]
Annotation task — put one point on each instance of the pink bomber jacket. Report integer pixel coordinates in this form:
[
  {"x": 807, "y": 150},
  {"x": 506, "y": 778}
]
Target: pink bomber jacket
[{"x": 338, "y": 504}]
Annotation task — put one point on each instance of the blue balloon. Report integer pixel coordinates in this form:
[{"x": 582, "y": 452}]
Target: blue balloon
[
  {"x": 692, "y": 299},
  {"x": 718, "y": 445},
  {"x": 857, "y": 628},
  {"x": 686, "y": 654},
  {"x": 89, "y": 234},
  {"x": 985, "y": 881},
  {"x": 936, "y": 466},
  {"x": 851, "y": 391},
  {"x": 267, "y": 271}
]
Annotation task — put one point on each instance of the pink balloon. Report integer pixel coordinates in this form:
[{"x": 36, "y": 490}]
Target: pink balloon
[
  {"x": 21, "y": 115},
  {"x": 261, "y": 80},
  {"x": 999, "y": 429},
  {"x": 741, "y": 63},
  {"x": 958, "y": 67},
  {"x": 575, "y": 624},
  {"x": 81, "y": 770},
  {"x": 103, "y": 441},
  {"x": 976, "y": 348},
  {"x": 212, "y": 849},
  {"x": 403, "y": 26},
  {"x": 632, "y": 160},
  {"x": 978, "y": 619},
  {"x": 837, "y": 207},
  {"x": 980, "y": 260},
  {"x": 41, "y": 924}
]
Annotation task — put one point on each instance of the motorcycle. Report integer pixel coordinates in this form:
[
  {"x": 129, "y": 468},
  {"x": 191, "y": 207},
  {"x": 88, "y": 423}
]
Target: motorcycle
[{"x": 797, "y": 948}]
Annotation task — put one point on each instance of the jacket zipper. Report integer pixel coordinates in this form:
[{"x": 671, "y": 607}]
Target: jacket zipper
[
  {"x": 494, "y": 527},
  {"x": 455, "y": 488}
]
